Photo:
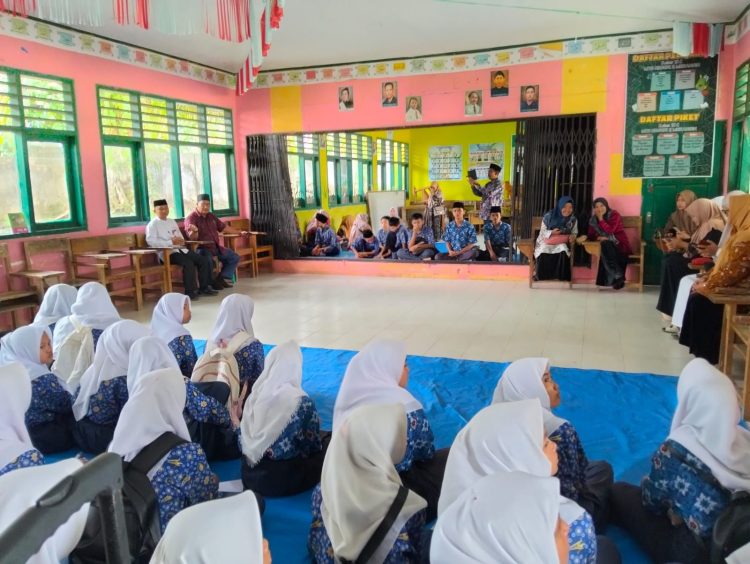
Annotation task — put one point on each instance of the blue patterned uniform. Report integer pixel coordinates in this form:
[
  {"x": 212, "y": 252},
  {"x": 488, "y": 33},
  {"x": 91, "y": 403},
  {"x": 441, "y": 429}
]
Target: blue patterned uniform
[
  {"x": 402, "y": 238},
  {"x": 426, "y": 234},
  {"x": 382, "y": 236},
  {"x": 405, "y": 549},
  {"x": 420, "y": 442},
  {"x": 250, "y": 361},
  {"x": 362, "y": 246},
  {"x": 96, "y": 333},
  {"x": 678, "y": 486},
  {"x": 183, "y": 480},
  {"x": 183, "y": 349},
  {"x": 203, "y": 408},
  {"x": 48, "y": 398},
  {"x": 460, "y": 237},
  {"x": 52, "y": 328},
  {"x": 107, "y": 403},
  {"x": 572, "y": 461},
  {"x": 301, "y": 436},
  {"x": 582, "y": 540},
  {"x": 29, "y": 458},
  {"x": 497, "y": 236},
  {"x": 325, "y": 237}
]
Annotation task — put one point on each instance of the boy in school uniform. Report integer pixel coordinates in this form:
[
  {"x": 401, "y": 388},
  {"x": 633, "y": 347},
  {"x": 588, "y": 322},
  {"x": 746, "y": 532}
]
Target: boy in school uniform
[
  {"x": 383, "y": 231},
  {"x": 326, "y": 242},
  {"x": 461, "y": 238},
  {"x": 420, "y": 243},
  {"x": 396, "y": 239},
  {"x": 497, "y": 237},
  {"x": 367, "y": 246}
]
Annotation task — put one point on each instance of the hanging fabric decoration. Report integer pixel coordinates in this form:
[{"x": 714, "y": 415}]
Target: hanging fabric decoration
[
  {"x": 22, "y": 8},
  {"x": 697, "y": 39},
  {"x": 265, "y": 15},
  {"x": 66, "y": 12}
]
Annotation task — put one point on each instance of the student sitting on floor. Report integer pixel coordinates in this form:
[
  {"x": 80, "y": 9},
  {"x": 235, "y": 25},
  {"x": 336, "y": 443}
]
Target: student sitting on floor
[
  {"x": 460, "y": 237},
  {"x": 183, "y": 478},
  {"x": 383, "y": 231},
  {"x": 326, "y": 243},
  {"x": 552, "y": 251},
  {"x": 281, "y": 443},
  {"x": 695, "y": 471},
  {"x": 497, "y": 237},
  {"x": 16, "y": 450},
  {"x": 420, "y": 243},
  {"x": 367, "y": 245},
  {"x": 56, "y": 304},
  {"x": 358, "y": 487},
  {"x": 168, "y": 324},
  {"x": 49, "y": 418},
  {"x": 586, "y": 483},
  {"x": 510, "y": 437},
  {"x": 104, "y": 388},
  {"x": 396, "y": 239},
  {"x": 606, "y": 227},
  {"x": 361, "y": 223}
]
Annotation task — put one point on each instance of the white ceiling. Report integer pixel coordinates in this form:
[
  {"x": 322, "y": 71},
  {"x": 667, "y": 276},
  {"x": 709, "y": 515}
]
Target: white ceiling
[{"x": 321, "y": 32}]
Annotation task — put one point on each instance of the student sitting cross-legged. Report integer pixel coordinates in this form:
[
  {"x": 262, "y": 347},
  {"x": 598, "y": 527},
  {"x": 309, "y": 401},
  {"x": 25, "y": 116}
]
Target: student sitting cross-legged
[
  {"x": 382, "y": 233},
  {"x": 16, "y": 450},
  {"x": 460, "y": 237},
  {"x": 497, "y": 237},
  {"x": 168, "y": 324},
  {"x": 396, "y": 239},
  {"x": 326, "y": 242},
  {"x": 367, "y": 245},
  {"x": 420, "y": 243}
]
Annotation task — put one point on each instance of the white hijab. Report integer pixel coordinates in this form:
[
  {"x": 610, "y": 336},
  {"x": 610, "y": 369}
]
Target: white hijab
[
  {"x": 166, "y": 322},
  {"x": 110, "y": 361},
  {"x": 20, "y": 490},
  {"x": 359, "y": 480},
  {"x": 506, "y": 518},
  {"x": 235, "y": 315},
  {"x": 225, "y": 530},
  {"x": 56, "y": 304},
  {"x": 15, "y": 389},
  {"x": 523, "y": 379},
  {"x": 706, "y": 422},
  {"x": 504, "y": 437},
  {"x": 22, "y": 345},
  {"x": 274, "y": 400},
  {"x": 372, "y": 377},
  {"x": 148, "y": 354},
  {"x": 93, "y": 309}
]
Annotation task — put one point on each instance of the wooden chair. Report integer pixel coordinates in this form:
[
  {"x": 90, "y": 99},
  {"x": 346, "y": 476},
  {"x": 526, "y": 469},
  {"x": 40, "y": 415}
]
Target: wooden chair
[
  {"x": 12, "y": 300},
  {"x": 527, "y": 246},
  {"x": 151, "y": 276},
  {"x": 252, "y": 254},
  {"x": 93, "y": 260},
  {"x": 635, "y": 224},
  {"x": 37, "y": 272}
]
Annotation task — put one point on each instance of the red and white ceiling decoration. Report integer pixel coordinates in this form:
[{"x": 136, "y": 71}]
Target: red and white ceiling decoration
[{"x": 239, "y": 21}]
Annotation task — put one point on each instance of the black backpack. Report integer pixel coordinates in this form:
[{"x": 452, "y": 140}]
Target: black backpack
[
  {"x": 141, "y": 508},
  {"x": 732, "y": 528}
]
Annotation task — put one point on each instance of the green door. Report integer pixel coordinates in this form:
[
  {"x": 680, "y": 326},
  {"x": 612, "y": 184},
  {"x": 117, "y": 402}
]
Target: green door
[{"x": 659, "y": 195}]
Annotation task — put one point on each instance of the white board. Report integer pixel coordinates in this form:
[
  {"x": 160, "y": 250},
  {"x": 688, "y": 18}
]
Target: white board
[{"x": 380, "y": 203}]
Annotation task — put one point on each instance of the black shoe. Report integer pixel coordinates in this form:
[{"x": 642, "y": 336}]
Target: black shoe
[
  {"x": 208, "y": 291},
  {"x": 227, "y": 283},
  {"x": 619, "y": 284},
  {"x": 219, "y": 284},
  {"x": 193, "y": 297}
]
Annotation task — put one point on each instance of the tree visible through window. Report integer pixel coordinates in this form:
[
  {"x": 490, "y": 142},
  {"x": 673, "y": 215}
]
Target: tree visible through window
[{"x": 303, "y": 158}]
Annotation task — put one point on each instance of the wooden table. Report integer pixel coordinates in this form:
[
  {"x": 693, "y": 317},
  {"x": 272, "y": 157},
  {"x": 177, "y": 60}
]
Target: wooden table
[
  {"x": 40, "y": 280},
  {"x": 104, "y": 256}
]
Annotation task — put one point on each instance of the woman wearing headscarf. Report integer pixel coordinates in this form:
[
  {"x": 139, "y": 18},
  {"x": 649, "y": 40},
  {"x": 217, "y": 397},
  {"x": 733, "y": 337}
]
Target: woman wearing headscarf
[
  {"x": 104, "y": 388},
  {"x": 473, "y": 529},
  {"x": 586, "y": 483},
  {"x": 280, "y": 433},
  {"x": 49, "y": 418},
  {"x": 226, "y": 530},
  {"x": 679, "y": 220},
  {"x": 694, "y": 472},
  {"x": 347, "y": 222},
  {"x": 361, "y": 224},
  {"x": 358, "y": 487},
  {"x": 168, "y": 324},
  {"x": 56, "y": 304},
  {"x": 16, "y": 450},
  {"x": 606, "y": 227},
  {"x": 701, "y": 326},
  {"x": 510, "y": 437},
  {"x": 707, "y": 218},
  {"x": 183, "y": 478},
  {"x": 552, "y": 252}
]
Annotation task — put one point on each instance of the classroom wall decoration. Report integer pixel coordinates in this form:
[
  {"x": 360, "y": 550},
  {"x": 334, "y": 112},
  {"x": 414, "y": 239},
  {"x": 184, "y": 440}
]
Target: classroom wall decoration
[
  {"x": 499, "y": 80},
  {"x": 482, "y": 154},
  {"x": 669, "y": 118},
  {"x": 445, "y": 162}
]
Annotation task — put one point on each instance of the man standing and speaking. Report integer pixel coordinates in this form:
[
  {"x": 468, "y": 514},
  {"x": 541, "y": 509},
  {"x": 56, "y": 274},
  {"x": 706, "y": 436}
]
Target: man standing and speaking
[{"x": 491, "y": 193}]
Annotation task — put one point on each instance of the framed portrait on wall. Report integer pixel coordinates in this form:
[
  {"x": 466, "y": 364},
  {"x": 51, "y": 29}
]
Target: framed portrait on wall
[
  {"x": 530, "y": 98},
  {"x": 499, "y": 80},
  {"x": 473, "y": 103},
  {"x": 346, "y": 98},
  {"x": 413, "y": 108},
  {"x": 390, "y": 93}
]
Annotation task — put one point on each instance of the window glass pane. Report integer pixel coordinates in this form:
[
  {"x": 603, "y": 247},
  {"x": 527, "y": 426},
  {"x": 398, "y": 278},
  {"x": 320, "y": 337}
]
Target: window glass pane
[
  {"x": 219, "y": 126},
  {"x": 49, "y": 181},
  {"x": 219, "y": 181},
  {"x": 345, "y": 182},
  {"x": 295, "y": 179},
  {"x": 159, "y": 175},
  {"x": 119, "y": 113},
  {"x": 10, "y": 194},
  {"x": 157, "y": 115},
  {"x": 47, "y": 103},
  {"x": 332, "y": 189},
  {"x": 191, "y": 169},
  {"x": 309, "y": 183},
  {"x": 355, "y": 181},
  {"x": 388, "y": 180},
  {"x": 10, "y": 116},
  {"x": 118, "y": 162},
  {"x": 191, "y": 123}
]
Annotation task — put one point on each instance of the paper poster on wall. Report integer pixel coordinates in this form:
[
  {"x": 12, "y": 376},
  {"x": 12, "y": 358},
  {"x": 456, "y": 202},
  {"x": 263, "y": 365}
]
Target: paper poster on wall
[
  {"x": 669, "y": 118},
  {"x": 445, "y": 162},
  {"x": 481, "y": 155}
]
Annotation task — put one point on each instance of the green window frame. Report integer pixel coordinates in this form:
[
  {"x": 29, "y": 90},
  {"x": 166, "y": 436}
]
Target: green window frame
[
  {"x": 349, "y": 158},
  {"x": 739, "y": 156},
  {"x": 40, "y": 165},
  {"x": 303, "y": 158},
  {"x": 393, "y": 165},
  {"x": 177, "y": 150}
]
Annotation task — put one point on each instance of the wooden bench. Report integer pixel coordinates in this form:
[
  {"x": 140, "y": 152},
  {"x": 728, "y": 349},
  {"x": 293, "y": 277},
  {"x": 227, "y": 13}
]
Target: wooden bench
[
  {"x": 634, "y": 223},
  {"x": 527, "y": 246},
  {"x": 252, "y": 254},
  {"x": 150, "y": 274},
  {"x": 37, "y": 273},
  {"x": 93, "y": 261},
  {"x": 12, "y": 300}
]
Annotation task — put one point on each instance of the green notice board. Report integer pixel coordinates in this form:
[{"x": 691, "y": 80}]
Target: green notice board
[{"x": 669, "y": 118}]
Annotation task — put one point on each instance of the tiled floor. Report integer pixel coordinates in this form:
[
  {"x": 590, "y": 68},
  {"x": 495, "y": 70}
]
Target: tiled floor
[{"x": 478, "y": 320}]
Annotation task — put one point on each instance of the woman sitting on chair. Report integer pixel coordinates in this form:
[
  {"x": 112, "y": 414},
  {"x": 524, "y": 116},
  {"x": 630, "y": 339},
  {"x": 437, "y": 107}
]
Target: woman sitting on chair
[
  {"x": 606, "y": 227},
  {"x": 552, "y": 252}
]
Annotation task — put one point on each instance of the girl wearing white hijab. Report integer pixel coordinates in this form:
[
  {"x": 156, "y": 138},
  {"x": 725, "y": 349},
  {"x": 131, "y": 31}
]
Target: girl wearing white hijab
[
  {"x": 56, "y": 304},
  {"x": 16, "y": 450},
  {"x": 224, "y": 530},
  {"x": 183, "y": 478},
  {"x": 694, "y": 472},
  {"x": 281, "y": 443},
  {"x": 104, "y": 388},
  {"x": 168, "y": 324},
  {"x": 20, "y": 490},
  {"x": 472, "y": 529},
  {"x": 586, "y": 483},
  {"x": 358, "y": 487},
  {"x": 510, "y": 437},
  {"x": 49, "y": 418}
]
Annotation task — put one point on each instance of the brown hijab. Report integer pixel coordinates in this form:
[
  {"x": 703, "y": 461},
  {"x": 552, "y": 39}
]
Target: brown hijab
[
  {"x": 679, "y": 219},
  {"x": 706, "y": 216},
  {"x": 739, "y": 219}
]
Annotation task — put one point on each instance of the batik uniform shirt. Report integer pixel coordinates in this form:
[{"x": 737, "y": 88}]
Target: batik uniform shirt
[
  {"x": 301, "y": 436},
  {"x": 325, "y": 237},
  {"x": 405, "y": 550},
  {"x": 48, "y": 398},
  {"x": 497, "y": 236},
  {"x": 460, "y": 236},
  {"x": 29, "y": 458},
  {"x": 107, "y": 403},
  {"x": 572, "y": 461},
  {"x": 52, "y": 328},
  {"x": 491, "y": 194},
  {"x": 250, "y": 361},
  {"x": 582, "y": 540},
  {"x": 382, "y": 236},
  {"x": 402, "y": 238},
  {"x": 362, "y": 246},
  {"x": 95, "y": 334},
  {"x": 184, "y": 479},
  {"x": 183, "y": 349},
  {"x": 420, "y": 442},
  {"x": 203, "y": 408},
  {"x": 426, "y": 234},
  {"x": 680, "y": 487}
]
